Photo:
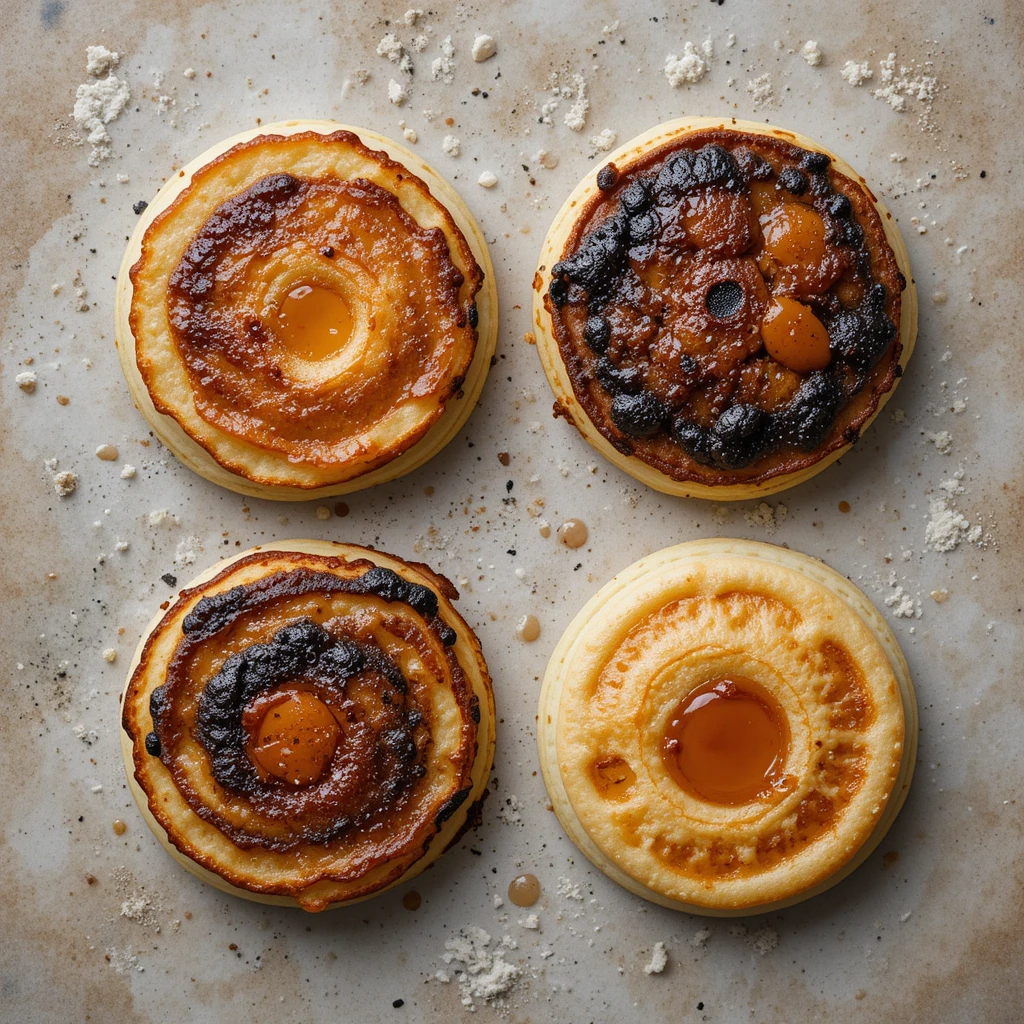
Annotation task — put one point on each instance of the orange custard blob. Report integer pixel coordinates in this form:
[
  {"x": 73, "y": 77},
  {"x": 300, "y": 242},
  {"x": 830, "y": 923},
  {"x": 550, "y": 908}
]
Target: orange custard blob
[
  {"x": 314, "y": 322},
  {"x": 296, "y": 737},
  {"x": 794, "y": 233},
  {"x": 613, "y": 777},
  {"x": 794, "y": 336},
  {"x": 727, "y": 742}
]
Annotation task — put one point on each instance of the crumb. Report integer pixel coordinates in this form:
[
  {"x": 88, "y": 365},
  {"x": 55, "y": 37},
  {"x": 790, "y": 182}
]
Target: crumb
[
  {"x": 658, "y": 961},
  {"x": 65, "y": 483},
  {"x": 547, "y": 160},
  {"x": 604, "y": 140},
  {"x": 531, "y": 923},
  {"x": 442, "y": 69},
  {"x": 691, "y": 67},
  {"x": 127, "y": 471},
  {"x": 762, "y": 91},
  {"x": 484, "y": 47},
  {"x": 856, "y": 73},
  {"x": 396, "y": 93},
  {"x": 487, "y": 179},
  {"x": 810, "y": 53},
  {"x": 26, "y": 381},
  {"x": 323, "y": 512},
  {"x": 110, "y": 655},
  {"x": 451, "y": 145},
  {"x": 576, "y": 117}
]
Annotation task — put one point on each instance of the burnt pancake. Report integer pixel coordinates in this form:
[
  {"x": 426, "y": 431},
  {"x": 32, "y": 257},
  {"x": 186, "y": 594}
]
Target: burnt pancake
[
  {"x": 305, "y": 310},
  {"x": 309, "y": 723},
  {"x": 722, "y": 307},
  {"x": 727, "y": 728}
]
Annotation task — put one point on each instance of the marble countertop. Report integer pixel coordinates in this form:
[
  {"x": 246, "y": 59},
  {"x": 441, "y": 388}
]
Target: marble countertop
[{"x": 105, "y": 927}]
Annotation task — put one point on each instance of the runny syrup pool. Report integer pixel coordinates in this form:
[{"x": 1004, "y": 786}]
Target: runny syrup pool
[
  {"x": 314, "y": 322},
  {"x": 727, "y": 742},
  {"x": 293, "y": 735}
]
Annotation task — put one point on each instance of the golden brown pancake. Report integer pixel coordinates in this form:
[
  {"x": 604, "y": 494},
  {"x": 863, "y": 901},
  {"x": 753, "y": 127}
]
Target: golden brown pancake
[
  {"x": 309, "y": 723},
  {"x": 727, "y": 727},
  {"x": 722, "y": 307},
  {"x": 306, "y": 310}
]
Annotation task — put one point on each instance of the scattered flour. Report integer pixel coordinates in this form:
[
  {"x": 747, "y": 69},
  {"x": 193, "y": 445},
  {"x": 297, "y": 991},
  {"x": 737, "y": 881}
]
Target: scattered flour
[
  {"x": 187, "y": 551},
  {"x": 762, "y": 91},
  {"x": 856, "y": 72},
  {"x": 451, "y": 145},
  {"x": 531, "y": 922},
  {"x": 442, "y": 69},
  {"x": 138, "y": 907},
  {"x": 700, "y": 938},
  {"x": 766, "y": 517},
  {"x": 397, "y": 93},
  {"x": 482, "y": 974},
  {"x": 896, "y": 86},
  {"x": 64, "y": 482},
  {"x": 390, "y": 47},
  {"x": 903, "y": 605},
  {"x": 947, "y": 528},
  {"x": 604, "y": 140},
  {"x": 811, "y": 53},
  {"x": 576, "y": 115},
  {"x": 691, "y": 67},
  {"x": 566, "y": 887},
  {"x": 509, "y": 811},
  {"x": 943, "y": 441},
  {"x": 764, "y": 940},
  {"x": 659, "y": 959},
  {"x": 161, "y": 517},
  {"x": 100, "y": 102}
]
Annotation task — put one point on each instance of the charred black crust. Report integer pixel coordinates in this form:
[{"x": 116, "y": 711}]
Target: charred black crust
[
  {"x": 152, "y": 744},
  {"x": 212, "y": 614},
  {"x": 601, "y": 267},
  {"x": 473, "y": 316},
  {"x": 474, "y": 709},
  {"x": 450, "y": 806}
]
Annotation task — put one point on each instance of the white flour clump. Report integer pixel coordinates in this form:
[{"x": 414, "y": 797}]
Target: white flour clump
[
  {"x": 896, "y": 87},
  {"x": 659, "y": 959},
  {"x": 442, "y": 69},
  {"x": 451, "y": 145},
  {"x": 691, "y": 67},
  {"x": 98, "y": 103},
  {"x": 396, "y": 93},
  {"x": 484, "y": 47},
  {"x": 947, "y": 527},
  {"x": 811, "y": 53},
  {"x": 481, "y": 974},
  {"x": 766, "y": 517},
  {"x": 391, "y": 48},
  {"x": 943, "y": 441},
  {"x": 856, "y": 73},
  {"x": 576, "y": 116},
  {"x": 762, "y": 91},
  {"x": 604, "y": 140}
]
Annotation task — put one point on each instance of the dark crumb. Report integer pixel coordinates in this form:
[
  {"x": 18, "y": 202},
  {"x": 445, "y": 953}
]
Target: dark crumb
[
  {"x": 139, "y": 206},
  {"x": 398, "y": 1003},
  {"x": 509, "y": 484},
  {"x": 169, "y": 579},
  {"x": 503, "y": 458}
]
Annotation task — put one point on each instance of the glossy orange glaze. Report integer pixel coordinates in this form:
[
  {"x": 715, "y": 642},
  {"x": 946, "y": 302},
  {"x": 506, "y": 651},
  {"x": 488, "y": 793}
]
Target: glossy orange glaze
[
  {"x": 294, "y": 735},
  {"x": 794, "y": 233},
  {"x": 613, "y": 777},
  {"x": 314, "y": 321},
  {"x": 794, "y": 336},
  {"x": 727, "y": 741}
]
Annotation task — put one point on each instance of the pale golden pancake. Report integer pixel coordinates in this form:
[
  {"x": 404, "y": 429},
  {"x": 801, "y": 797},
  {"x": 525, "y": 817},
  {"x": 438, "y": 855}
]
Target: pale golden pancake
[
  {"x": 722, "y": 308},
  {"x": 309, "y": 723},
  {"x": 792, "y": 632},
  {"x": 306, "y": 309}
]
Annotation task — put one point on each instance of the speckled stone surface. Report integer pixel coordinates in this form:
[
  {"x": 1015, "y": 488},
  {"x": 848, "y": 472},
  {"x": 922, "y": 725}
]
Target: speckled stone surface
[{"x": 103, "y": 927}]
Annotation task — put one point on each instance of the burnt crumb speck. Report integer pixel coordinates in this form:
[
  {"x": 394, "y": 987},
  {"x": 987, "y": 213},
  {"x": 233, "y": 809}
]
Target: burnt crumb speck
[
  {"x": 328, "y": 252},
  {"x": 152, "y": 744},
  {"x": 170, "y": 579},
  {"x": 398, "y": 1003},
  {"x": 139, "y": 207},
  {"x": 607, "y": 177},
  {"x": 509, "y": 484}
]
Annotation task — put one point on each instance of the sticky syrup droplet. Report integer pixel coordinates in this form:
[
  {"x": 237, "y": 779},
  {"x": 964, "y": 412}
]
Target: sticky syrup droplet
[
  {"x": 573, "y": 533},
  {"x": 120, "y": 827},
  {"x": 524, "y": 890},
  {"x": 412, "y": 900},
  {"x": 528, "y": 628}
]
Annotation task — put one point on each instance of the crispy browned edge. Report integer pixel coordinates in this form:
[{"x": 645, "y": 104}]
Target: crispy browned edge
[
  {"x": 447, "y": 593},
  {"x": 474, "y": 280},
  {"x": 845, "y": 430}
]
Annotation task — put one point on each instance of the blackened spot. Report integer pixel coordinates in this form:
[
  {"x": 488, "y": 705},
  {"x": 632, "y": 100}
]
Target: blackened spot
[
  {"x": 644, "y": 227},
  {"x": 753, "y": 165},
  {"x": 170, "y": 579},
  {"x": 839, "y": 206},
  {"x": 724, "y": 299},
  {"x": 607, "y": 177},
  {"x": 714, "y": 165},
  {"x": 474, "y": 709},
  {"x": 473, "y": 316},
  {"x": 624, "y": 380},
  {"x": 139, "y": 207},
  {"x": 851, "y": 233},
  {"x": 328, "y": 252},
  {"x": 739, "y": 436},
  {"x": 597, "y": 333},
  {"x": 816, "y": 162},
  {"x": 509, "y": 484},
  {"x": 449, "y": 807},
  {"x": 637, "y": 415},
  {"x": 152, "y": 744},
  {"x": 676, "y": 176},
  {"x": 861, "y": 336},
  {"x": 693, "y": 439},
  {"x": 793, "y": 181},
  {"x": 636, "y": 197},
  {"x": 810, "y": 413}
]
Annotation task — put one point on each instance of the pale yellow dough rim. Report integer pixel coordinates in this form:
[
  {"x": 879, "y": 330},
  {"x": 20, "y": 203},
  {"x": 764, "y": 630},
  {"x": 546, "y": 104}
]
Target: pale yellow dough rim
[
  {"x": 481, "y": 766},
  {"x": 457, "y": 410},
  {"x": 551, "y": 358},
  {"x": 678, "y": 556}
]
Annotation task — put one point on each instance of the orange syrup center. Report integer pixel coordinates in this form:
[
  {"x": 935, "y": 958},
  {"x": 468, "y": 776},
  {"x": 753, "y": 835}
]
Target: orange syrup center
[
  {"x": 296, "y": 737},
  {"x": 314, "y": 322}
]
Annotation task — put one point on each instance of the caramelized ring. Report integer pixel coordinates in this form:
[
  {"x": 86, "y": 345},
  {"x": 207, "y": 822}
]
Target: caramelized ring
[
  {"x": 727, "y": 728},
  {"x": 309, "y": 723},
  {"x": 722, "y": 308},
  {"x": 306, "y": 310}
]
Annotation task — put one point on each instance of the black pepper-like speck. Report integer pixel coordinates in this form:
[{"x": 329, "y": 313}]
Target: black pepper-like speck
[
  {"x": 141, "y": 205},
  {"x": 170, "y": 579},
  {"x": 398, "y": 1003},
  {"x": 509, "y": 484}
]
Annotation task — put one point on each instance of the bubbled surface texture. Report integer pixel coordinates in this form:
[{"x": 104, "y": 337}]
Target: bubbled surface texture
[{"x": 954, "y": 859}]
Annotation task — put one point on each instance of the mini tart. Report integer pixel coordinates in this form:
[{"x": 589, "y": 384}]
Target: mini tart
[
  {"x": 707, "y": 818},
  {"x": 309, "y": 723},
  {"x": 722, "y": 307},
  {"x": 307, "y": 309}
]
